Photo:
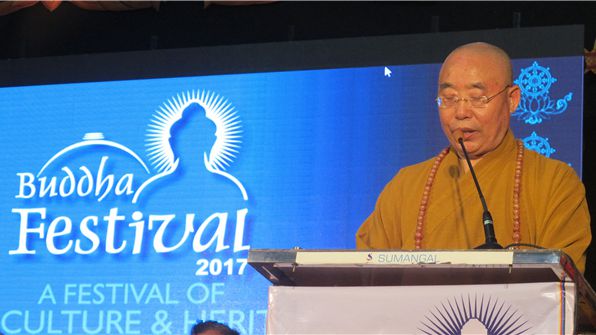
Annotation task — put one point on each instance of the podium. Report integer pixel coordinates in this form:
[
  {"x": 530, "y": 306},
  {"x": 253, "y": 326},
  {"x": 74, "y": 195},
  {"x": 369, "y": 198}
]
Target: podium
[{"x": 425, "y": 292}]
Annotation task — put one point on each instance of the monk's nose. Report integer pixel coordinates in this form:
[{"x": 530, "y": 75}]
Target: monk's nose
[{"x": 463, "y": 109}]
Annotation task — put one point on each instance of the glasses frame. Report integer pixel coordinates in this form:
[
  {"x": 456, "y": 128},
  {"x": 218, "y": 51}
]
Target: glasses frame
[{"x": 484, "y": 100}]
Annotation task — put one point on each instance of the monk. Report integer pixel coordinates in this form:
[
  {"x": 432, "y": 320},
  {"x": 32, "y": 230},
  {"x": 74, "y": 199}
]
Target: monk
[{"x": 434, "y": 204}]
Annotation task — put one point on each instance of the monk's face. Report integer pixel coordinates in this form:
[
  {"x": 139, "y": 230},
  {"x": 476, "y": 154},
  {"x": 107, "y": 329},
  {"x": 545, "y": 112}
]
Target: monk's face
[{"x": 474, "y": 73}]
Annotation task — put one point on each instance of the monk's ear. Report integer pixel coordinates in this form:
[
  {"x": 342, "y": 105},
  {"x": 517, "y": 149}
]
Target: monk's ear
[{"x": 514, "y": 98}]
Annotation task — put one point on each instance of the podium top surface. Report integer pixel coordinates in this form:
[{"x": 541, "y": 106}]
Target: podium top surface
[{"x": 297, "y": 267}]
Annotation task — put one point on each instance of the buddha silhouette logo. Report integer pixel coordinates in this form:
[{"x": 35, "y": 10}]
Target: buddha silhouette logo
[
  {"x": 536, "y": 104},
  {"x": 480, "y": 315},
  {"x": 163, "y": 130},
  {"x": 107, "y": 171},
  {"x": 174, "y": 115}
]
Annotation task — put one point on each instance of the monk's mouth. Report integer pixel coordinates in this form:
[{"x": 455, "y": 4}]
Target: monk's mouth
[
  {"x": 468, "y": 134},
  {"x": 465, "y": 133}
]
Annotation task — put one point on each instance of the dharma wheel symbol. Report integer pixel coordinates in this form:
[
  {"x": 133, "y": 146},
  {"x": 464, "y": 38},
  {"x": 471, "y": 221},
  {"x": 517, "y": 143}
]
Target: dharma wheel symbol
[
  {"x": 536, "y": 104},
  {"x": 539, "y": 144},
  {"x": 535, "y": 80}
]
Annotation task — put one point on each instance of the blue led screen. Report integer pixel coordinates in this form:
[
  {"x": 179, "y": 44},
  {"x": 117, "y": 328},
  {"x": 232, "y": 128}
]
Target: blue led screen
[{"x": 129, "y": 206}]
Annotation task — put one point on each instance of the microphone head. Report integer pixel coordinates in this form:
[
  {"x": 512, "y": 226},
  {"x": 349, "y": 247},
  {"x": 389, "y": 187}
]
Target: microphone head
[{"x": 458, "y": 135}]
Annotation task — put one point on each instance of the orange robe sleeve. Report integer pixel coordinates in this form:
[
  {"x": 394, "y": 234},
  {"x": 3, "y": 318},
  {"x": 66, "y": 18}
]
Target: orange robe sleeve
[
  {"x": 381, "y": 230},
  {"x": 566, "y": 219}
]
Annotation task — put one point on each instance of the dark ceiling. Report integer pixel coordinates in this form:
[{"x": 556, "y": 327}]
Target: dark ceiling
[{"x": 34, "y": 31}]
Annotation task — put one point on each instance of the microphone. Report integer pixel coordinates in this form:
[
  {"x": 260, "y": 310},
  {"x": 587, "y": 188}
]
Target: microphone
[{"x": 487, "y": 219}]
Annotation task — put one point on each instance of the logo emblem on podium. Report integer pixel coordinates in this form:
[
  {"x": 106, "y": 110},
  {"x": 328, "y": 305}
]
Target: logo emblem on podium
[{"x": 477, "y": 315}]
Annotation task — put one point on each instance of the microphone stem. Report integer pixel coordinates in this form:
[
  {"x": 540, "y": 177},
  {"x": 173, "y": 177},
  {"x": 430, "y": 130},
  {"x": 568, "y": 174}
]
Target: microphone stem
[
  {"x": 484, "y": 206},
  {"x": 487, "y": 220}
]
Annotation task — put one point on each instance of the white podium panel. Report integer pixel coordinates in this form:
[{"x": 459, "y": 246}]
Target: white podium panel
[
  {"x": 527, "y": 308},
  {"x": 428, "y": 292}
]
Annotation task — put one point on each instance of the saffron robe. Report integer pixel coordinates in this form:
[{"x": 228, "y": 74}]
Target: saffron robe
[{"x": 553, "y": 209}]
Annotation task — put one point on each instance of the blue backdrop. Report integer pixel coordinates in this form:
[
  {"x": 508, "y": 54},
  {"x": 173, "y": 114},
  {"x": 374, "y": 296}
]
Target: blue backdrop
[{"x": 128, "y": 207}]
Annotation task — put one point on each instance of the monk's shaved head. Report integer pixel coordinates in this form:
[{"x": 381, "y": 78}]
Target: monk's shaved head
[
  {"x": 476, "y": 71},
  {"x": 498, "y": 57}
]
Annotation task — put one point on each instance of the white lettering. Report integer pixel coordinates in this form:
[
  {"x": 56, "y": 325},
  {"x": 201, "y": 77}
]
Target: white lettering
[
  {"x": 47, "y": 293},
  {"x": 124, "y": 185},
  {"x": 45, "y": 189},
  {"x": 111, "y": 219},
  {"x": 89, "y": 234},
  {"x": 87, "y": 178},
  {"x": 53, "y": 233},
  {"x": 70, "y": 179},
  {"x": 25, "y": 230},
  {"x": 101, "y": 181},
  {"x": 82, "y": 184},
  {"x": 61, "y": 233},
  {"x": 139, "y": 226},
  {"x": 26, "y": 182},
  {"x": 239, "y": 235},
  {"x": 158, "y": 244},
  {"x": 218, "y": 236}
]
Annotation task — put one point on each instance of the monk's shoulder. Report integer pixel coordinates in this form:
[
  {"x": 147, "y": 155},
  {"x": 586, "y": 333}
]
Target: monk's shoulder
[
  {"x": 411, "y": 174},
  {"x": 548, "y": 170}
]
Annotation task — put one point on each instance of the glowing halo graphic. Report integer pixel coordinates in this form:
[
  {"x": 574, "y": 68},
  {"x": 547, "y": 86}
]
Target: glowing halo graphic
[
  {"x": 228, "y": 133},
  {"x": 217, "y": 109},
  {"x": 454, "y": 315}
]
